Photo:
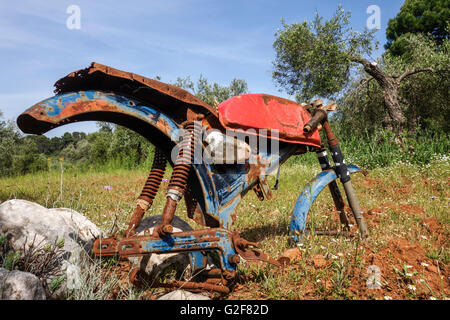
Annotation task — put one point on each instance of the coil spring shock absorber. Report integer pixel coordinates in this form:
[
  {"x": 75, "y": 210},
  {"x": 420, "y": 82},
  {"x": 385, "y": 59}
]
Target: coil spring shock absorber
[
  {"x": 149, "y": 191},
  {"x": 178, "y": 180}
]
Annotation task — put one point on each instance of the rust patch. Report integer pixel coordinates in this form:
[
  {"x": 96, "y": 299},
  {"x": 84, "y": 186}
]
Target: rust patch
[
  {"x": 256, "y": 169},
  {"x": 86, "y": 106},
  {"x": 163, "y": 125},
  {"x": 267, "y": 98}
]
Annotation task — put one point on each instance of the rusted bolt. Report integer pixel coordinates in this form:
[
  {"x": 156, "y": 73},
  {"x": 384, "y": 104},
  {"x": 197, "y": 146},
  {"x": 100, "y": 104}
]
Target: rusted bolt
[
  {"x": 167, "y": 228},
  {"x": 234, "y": 259}
]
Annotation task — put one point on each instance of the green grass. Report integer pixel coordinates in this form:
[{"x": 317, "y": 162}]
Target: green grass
[{"x": 403, "y": 195}]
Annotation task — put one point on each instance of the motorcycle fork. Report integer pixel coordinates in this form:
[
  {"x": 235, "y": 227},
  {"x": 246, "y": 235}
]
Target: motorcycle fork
[
  {"x": 339, "y": 203},
  {"x": 344, "y": 176}
]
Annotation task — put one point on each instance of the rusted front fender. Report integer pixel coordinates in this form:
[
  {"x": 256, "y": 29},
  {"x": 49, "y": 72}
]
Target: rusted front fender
[{"x": 72, "y": 107}]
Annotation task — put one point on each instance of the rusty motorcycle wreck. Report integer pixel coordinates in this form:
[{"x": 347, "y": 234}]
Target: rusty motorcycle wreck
[{"x": 173, "y": 119}]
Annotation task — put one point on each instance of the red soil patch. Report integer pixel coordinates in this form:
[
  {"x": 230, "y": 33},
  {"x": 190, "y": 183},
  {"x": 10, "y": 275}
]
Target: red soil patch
[
  {"x": 421, "y": 272},
  {"x": 372, "y": 217},
  {"x": 435, "y": 227},
  {"x": 319, "y": 261},
  {"x": 401, "y": 189},
  {"x": 403, "y": 208},
  {"x": 432, "y": 225}
]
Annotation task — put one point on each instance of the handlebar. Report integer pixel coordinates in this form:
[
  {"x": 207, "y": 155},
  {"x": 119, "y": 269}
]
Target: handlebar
[{"x": 318, "y": 117}]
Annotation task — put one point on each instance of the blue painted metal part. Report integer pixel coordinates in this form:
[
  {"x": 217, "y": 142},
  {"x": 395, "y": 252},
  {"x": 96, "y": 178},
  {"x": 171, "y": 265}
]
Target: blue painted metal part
[
  {"x": 176, "y": 243},
  {"x": 197, "y": 260},
  {"x": 59, "y": 110},
  {"x": 230, "y": 186},
  {"x": 307, "y": 197}
]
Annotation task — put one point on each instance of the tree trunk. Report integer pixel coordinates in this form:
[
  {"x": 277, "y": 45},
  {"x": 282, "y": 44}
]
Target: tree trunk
[{"x": 394, "y": 119}]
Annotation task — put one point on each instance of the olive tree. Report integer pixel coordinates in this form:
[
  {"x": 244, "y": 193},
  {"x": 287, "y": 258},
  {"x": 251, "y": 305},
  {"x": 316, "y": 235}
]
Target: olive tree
[
  {"x": 318, "y": 57},
  {"x": 212, "y": 93}
]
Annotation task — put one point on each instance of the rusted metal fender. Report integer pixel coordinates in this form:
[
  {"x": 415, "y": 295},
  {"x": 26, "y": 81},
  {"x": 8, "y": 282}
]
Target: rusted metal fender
[
  {"x": 307, "y": 197},
  {"x": 177, "y": 103}
]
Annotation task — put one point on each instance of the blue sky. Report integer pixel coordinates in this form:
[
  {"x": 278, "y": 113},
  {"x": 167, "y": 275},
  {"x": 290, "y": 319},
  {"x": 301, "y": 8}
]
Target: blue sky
[{"x": 175, "y": 38}]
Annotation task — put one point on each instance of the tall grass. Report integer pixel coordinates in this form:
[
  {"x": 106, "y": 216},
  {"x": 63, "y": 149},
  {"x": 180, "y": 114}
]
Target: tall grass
[{"x": 380, "y": 149}]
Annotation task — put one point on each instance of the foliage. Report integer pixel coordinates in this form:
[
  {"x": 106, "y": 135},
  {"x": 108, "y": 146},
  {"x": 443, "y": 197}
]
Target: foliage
[
  {"x": 42, "y": 261},
  {"x": 129, "y": 146},
  {"x": 425, "y": 95},
  {"x": 428, "y": 17},
  {"x": 213, "y": 94},
  {"x": 26, "y": 157},
  {"x": 315, "y": 58},
  {"x": 9, "y": 138}
]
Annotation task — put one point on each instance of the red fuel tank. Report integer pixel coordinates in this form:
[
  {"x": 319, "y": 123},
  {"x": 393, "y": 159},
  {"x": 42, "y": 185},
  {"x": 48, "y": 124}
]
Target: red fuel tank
[{"x": 262, "y": 111}]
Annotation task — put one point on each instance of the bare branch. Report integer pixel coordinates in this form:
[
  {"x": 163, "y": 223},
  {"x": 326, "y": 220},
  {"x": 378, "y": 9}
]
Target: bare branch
[
  {"x": 366, "y": 80},
  {"x": 411, "y": 72}
]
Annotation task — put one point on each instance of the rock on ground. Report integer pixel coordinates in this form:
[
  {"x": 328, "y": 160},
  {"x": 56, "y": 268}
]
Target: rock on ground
[
  {"x": 26, "y": 221},
  {"x": 158, "y": 262},
  {"x": 18, "y": 285},
  {"x": 293, "y": 254},
  {"x": 183, "y": 295}
]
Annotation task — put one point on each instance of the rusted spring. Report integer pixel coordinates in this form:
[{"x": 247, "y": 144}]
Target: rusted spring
[
  {"x": 149, "y": 190},
  {"x": 191, "y": 201},
  {"x": 155, "y": 177},
  {"x": 180, "y": 174},
  {"x": 183, "y": 162}
]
